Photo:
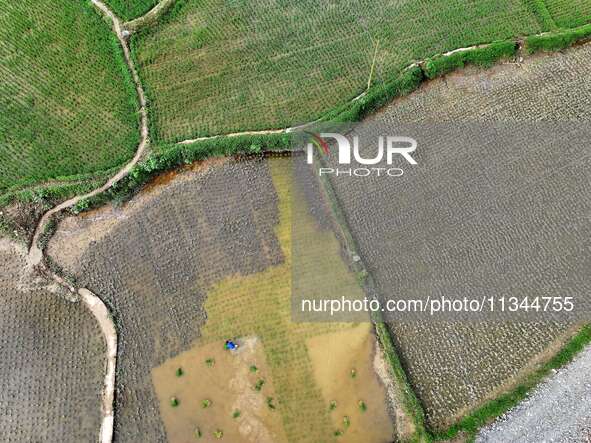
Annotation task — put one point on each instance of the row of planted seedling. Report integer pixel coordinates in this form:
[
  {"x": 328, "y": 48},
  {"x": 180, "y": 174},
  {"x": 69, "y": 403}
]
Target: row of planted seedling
[{"x": 208, "y": 403}]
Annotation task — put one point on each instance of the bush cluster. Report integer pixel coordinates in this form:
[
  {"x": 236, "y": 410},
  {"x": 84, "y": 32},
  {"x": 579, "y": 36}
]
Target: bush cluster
[
  {"x": 172, "y": 156},
  {"x": 557, "y": 40},
  {"x": 485, "y": 56}
]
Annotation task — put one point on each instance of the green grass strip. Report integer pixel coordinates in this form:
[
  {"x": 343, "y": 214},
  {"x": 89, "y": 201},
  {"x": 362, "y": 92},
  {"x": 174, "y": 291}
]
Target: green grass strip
[
  {"x": 410, "y": 403},
  {"x": 556, "y": 41},
  {"x": 471, "y": 423},
  {"x": 485, "y": 57}
]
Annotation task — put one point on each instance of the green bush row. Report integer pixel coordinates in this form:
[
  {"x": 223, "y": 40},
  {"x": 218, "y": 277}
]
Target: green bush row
[
  {"x": 51, "y": 194},
  {"x": 410, "y": 403},
  {"x": 377, "y": 96},
  {"x": 556, "y": 41},
  {"x": 169, "y": 157},
  {"x": 471, "y": 423},
  {"x": 485, "y": 57}
]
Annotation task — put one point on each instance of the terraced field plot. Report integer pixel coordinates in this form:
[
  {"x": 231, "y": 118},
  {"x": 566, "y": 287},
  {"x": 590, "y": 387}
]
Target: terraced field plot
[
  {"x": 67, "y": 106},
  {"x": 46, "y": 340},
  {"x": 499, "y": 216},
  {"x": 192, "y": 268},
  {"x": 214, "y": 67}
]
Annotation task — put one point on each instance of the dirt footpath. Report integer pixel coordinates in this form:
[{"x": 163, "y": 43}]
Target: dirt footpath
[{"x": 559, "y": 410}]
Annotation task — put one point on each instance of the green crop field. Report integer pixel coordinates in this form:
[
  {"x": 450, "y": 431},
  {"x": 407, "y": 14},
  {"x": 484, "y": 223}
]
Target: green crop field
[
  {"x": 570, "y": 13},
  {"x": 130, "y": 9},
  {"x": 68, "y": 106},
  {"x": 212, "y": 67}
]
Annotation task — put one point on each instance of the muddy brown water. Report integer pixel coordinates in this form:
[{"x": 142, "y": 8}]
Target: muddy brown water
[
  {"x": 228, "y": 382},
  {"x": 343, "y": 369}
]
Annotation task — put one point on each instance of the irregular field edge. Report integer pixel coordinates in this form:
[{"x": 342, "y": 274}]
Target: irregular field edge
[{"x": 483, "y": 415}]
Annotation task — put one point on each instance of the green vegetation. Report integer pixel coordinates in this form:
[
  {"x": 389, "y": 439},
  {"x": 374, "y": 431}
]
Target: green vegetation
[
  {"x": 539, "y": 9},
  {"x": 485, "y": 57},
  {"x": 377, "y": 97},
  {"x": 362, "y": 406},
  {"x": 67, "y": 99},
  {"x": 332, "y": 405},
  {"x": 270, "y": 403},
  {"x": 129, "y": 9},
  {"x": 346, "y": 421},
  {"x": 409, "y": 401},
  {"x": 179, "y": 372},
  {"x": 174, "y": 402},
  {"x": 292, "y": 66},
  {"x": 569, "y": 13},
  {"x": 471, "y": 423},
  {"x": 236, "y": 414},
  {"x": 253, "y": 369},
  {"x": 259, "y": 384},
  {"x": 169, "y": 157},
  {"x": 197, "y": 432},
  {"x": 210, "y": 362},
  {"x": 205, "y": 403},
  {"x": 557, "y": 40},
  {"x": 218, "y": 434}
]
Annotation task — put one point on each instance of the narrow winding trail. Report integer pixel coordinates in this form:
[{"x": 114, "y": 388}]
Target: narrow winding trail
[
  {"x": 94, "y": 304},
  {"x": 35, "y": 253},
  {"x": 101, "y": 313}
]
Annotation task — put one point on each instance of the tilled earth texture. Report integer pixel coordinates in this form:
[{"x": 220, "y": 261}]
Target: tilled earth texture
[
  {"x": 497, "y": 205},
  {"x": 153, "y": 261},
  {"x": 45, "y": 341}
]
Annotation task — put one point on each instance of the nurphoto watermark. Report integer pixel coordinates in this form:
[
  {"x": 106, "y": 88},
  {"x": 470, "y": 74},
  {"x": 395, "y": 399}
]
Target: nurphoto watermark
[{"x": 376, "y": 159}]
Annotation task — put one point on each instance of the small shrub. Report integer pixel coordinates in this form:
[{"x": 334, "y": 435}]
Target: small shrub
[
  {"x": 236, "y": 414},
  {"x": 362, "y": 406},
  {"x": 338, "y": 433},
  {"x": 259, "y": 384},
  {"x": 210, "y": 362},
  {"x": 82, "y": 205},
  {"x": 253, "y": 369},
  {"x": 361, "y": 277},
  {"x": 174, "y": 402},
  {"x": 270, "y": 403},
  {"x": 353, "y": 373},
  {"x": 332, "y": 405},
  {"x": 346, "y": 421},
  {"x": 179, "y": 372},
  {"x": 197, "y": 432},
  {"x": 205, "y": 403},
  {"x": 218, "y": 433}
]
